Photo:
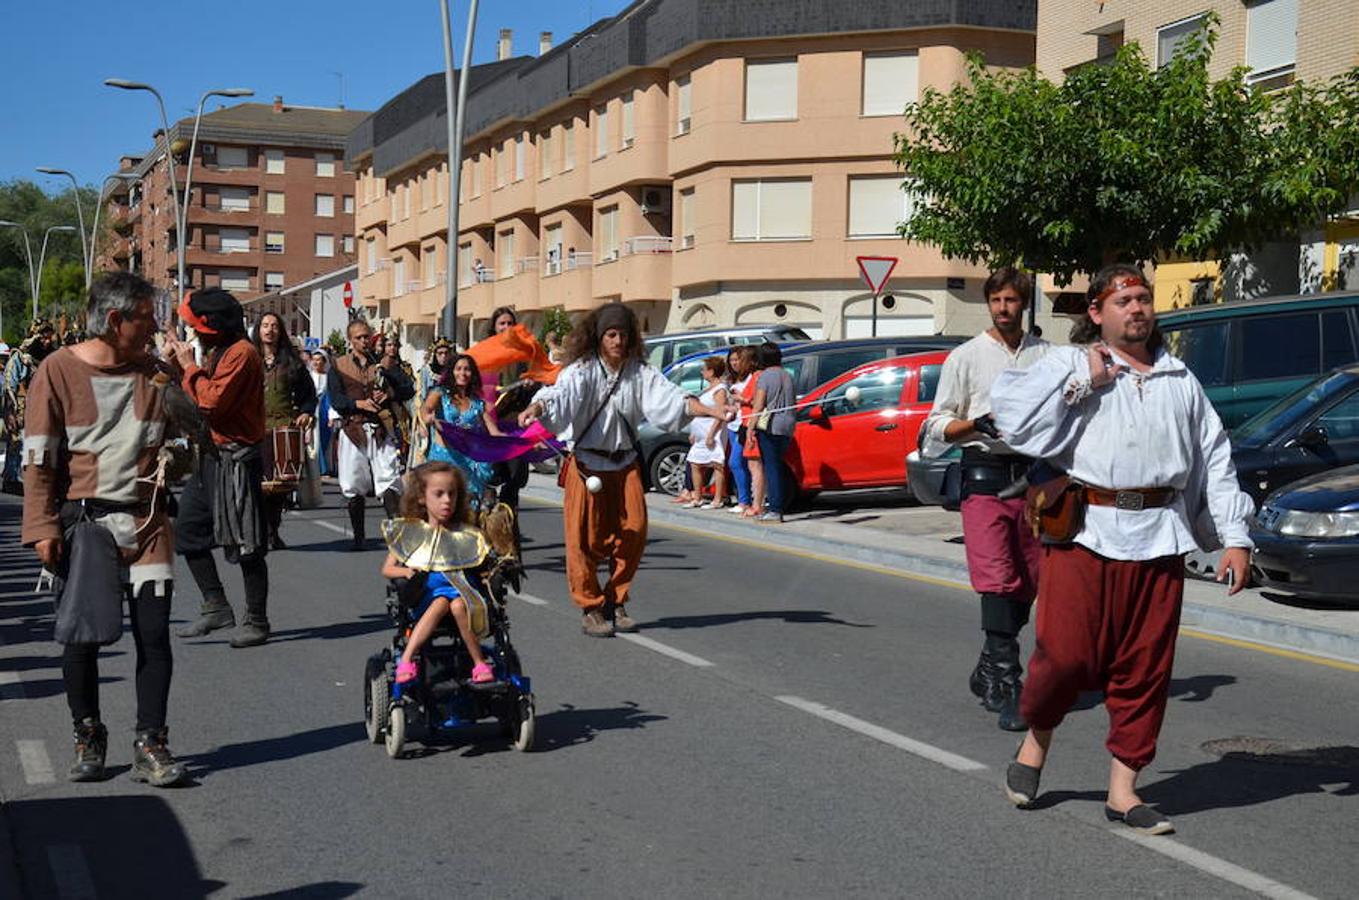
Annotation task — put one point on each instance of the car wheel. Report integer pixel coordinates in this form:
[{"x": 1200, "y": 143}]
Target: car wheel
[{"x": 667, "y": 468}]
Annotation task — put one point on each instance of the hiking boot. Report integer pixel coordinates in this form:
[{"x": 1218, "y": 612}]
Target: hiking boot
[
  {"x": 91, "y": 746},
  {"x": 215, "y": 613},
  {"x": 983, "y": 676},
  {"x": 254, "y": 631},
  {"x": 152, "y": 761},
  {"x": 595, "y": 625},
  {"x": 622, "y": 622}
]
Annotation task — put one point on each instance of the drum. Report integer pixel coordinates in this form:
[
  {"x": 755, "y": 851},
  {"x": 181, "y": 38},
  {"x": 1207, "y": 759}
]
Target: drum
[{"x": 287, "y": 462}]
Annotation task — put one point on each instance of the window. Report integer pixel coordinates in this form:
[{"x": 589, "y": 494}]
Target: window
[
  {"x": 406, "y": 200},
  {"x": 1342, "y": 420},
  {"x": 234, "y": 279},
  {"x": 554, "y": 249},
  {"x": 428, "y": 258},
  {"x": 371, "y": 244},
  {"x": 349, "y": 204},
  {"x": 685, "y": 103},
  {"x": 273, "y": 162},
  {"x": 686, "y": 218},
  {"x": 1170, "y": 37},
  {"x": 929, "y": 383},
  {"x": 399, "y": 277},
  {"x": 325, "y": 205},
  {"x": 771, "y": 89},
  {"x": 273, "y": 281},
  {"x": 876, "y": 206},
  {"x": 1337, "y": 340},
  {"x": 325, "y": 245},
  {"x": 890, "y": 82},
  {"x": 833, "y": 365},
  {"x": 477, "y": 163},
  {"x": 273, "y": 202},
  {"x": 519, "y": 153},
  {"x": 465, "y": 278},
  {"x": 601, "y": 131},
  {"x": 393, "y": 207},
  {"x": 608, "y": 234},
  {"x": 234, "y": 240},
  {"x": 878, "y": 390},
  {"x": 568, "y": 146},
  {"x": 1279, "y": 346},
  {"x": 273, "y": 242},
  {"x": 629, "y": 133},
  {"x": 234, "y": 199},
  {"x": 233, "y": 158},
  {"x": 504, "y": 250},
  {"x": 502, "y": 166},
  {"x": 424, "y": 190},
  {"x": 771, "y": 210},
  {"x": 1203, "y": 349},
  {"x": 688, "y": 377},
  {"x": 545, "y": 154},
  {"x": 325, "y": 165},
  {"x": 1271, "y": 38},
  {"x": 441, "y": 184},
  {"x": 349, "y": 245}
]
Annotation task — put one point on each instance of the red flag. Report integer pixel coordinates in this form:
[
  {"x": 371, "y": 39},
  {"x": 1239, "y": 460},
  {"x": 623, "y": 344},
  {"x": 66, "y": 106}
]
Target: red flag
[{"x": 514, "y": 345}]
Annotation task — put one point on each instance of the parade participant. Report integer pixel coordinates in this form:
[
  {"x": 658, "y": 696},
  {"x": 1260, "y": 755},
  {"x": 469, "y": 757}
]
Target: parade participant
[
  {"x": 1002, "y": 552},
  {"x": 707, "y": 438},
  {"x": 368, "y": 456},
  {"x": 512, "y": 393},
  {"x": 223, "y": 502},
  {"x": 402, "y": 412},
  {"x": 19, "y": 370},
  {"x": 601, "y": 398},
  {"x": 320, "y": 363},
  {"x": 1150, "y": 464},
  {"x": 436, "y": 493},
  {"x": 289, "y": 402},
  {"x": 431, "y": 375},
  {"x": 95, "y": 513},
  {"x": 457, "y": 400}
]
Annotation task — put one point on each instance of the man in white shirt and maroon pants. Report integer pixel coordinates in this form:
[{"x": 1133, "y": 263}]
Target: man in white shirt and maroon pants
[
  {"x": 1133, "y": 429},
  {"x": 1002, "y": 553}
]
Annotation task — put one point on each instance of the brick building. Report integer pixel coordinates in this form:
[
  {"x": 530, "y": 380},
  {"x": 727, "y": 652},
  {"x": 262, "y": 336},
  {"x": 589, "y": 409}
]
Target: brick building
[{"x": 270, "y": 201}]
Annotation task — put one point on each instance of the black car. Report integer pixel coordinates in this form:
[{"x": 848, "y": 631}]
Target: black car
[
  {"x": 1314, "y": 429},
  {"x": 1307, "y": 538}
]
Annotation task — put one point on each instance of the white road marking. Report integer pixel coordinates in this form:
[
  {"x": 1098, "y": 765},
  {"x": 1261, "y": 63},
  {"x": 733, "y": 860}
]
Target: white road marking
[
  {"x": 331, "y": 526},
  {"x": 37, "y": 764},
  {"x": 666, "y": 650},
  {"x": 532, "y": 600},
  {"x": 11, "y": 687},
  {"x": 70, "y": 872},
  {"x": 878, "y": 733},
  {"x": 1219, "y": 868}
]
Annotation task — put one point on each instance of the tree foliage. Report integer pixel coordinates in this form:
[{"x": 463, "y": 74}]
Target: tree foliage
[
  {"x": 63, "y": 282},
  {"x": 1124, "y": 161}
]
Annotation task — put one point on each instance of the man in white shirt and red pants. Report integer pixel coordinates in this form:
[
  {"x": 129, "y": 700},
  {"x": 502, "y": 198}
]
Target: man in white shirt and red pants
[
  {"x": 1133, "y": 429},
  {"x": 1002, "y": 553}
]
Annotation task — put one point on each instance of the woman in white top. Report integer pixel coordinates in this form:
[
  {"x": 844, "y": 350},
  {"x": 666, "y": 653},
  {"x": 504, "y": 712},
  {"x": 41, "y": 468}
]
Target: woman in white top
[{"x": 708, "y": 438}]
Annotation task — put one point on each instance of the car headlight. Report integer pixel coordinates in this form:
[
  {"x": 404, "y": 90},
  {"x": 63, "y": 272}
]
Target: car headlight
[{"x": 1296, "y": 523}]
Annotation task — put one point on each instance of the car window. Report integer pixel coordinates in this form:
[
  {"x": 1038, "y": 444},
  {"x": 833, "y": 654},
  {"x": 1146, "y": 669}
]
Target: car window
[
  {"x": 688, "y": 376},
  {"x": 1279, "y": 346},
  {"x": 833, "y": 365},
  {"x": 655, "y": 354},
  {"x": 747, "y": 338},
  {"x": 794, "y": 369},
  {"x": 929, "y": 383},
  {"x": 1337, "y": 340},
  {"x": 878, "y": 389},
  {"x": 1273, "y": 420},
  {"x": 687, "y": 346},
  {"x": 1342, "y": 420},
  {"x": 1203, "y": 348}
]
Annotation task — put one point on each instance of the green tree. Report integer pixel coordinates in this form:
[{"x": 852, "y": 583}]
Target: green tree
[
  {"x": 1124, "y": 161},
  {"x": 555, "y": 321},
  {"x": 337, "y": 343},
  {"x": 29, "y": 205}
]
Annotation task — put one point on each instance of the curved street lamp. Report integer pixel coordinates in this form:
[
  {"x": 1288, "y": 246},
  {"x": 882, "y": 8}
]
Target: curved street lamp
[
  {"x": 37, "y": 285},
  {"x": 80, "y": 217},
  {"x": 28, "y": 253},
  {"x": 126, "y": 178},
  {"x": 182, "y": 225}
]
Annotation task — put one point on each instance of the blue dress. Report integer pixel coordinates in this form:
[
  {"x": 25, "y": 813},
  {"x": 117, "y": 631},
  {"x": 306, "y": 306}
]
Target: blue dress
[{"x": 478, "y": 474}]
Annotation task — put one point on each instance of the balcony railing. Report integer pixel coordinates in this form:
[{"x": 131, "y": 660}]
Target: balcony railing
[
  {"x": 526, "y": 264},
  {"x": 579, "y": 260},
  {"x": 646, "y": 244},
  {"x": 229, "y": 208},
  {"x": 227, "y": 251},
  {"x": 483, "y": 276}
]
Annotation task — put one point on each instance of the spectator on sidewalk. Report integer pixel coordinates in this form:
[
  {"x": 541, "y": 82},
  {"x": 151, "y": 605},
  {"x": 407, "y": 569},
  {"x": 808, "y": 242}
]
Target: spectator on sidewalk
[
  {"x": 707, "y": 438},
  {"x": 740, "y": 367},
  {"x": 773, "y": 429}
]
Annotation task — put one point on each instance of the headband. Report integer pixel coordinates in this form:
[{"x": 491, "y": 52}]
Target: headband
[
  {"x": 192, "y": 319},
  {"x": 1118, "y": 283}
]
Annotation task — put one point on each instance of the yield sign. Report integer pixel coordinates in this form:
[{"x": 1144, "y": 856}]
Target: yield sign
[{"x": 875, "y": 271}]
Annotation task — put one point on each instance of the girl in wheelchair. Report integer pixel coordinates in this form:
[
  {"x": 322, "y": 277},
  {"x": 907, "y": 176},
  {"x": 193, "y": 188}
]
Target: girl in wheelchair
[{"x": 436, "y": 493}]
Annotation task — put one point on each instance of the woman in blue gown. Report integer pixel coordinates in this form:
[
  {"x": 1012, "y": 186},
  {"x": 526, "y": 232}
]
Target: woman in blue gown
[{"x": 457, "y": 399}]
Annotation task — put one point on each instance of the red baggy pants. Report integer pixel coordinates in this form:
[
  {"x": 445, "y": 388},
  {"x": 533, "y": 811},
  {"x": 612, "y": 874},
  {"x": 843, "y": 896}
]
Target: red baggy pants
[{"x": 1105, "y": 624}]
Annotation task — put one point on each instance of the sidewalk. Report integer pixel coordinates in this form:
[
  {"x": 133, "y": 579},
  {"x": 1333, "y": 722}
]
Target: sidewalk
[{"x": 877, "y": 528}]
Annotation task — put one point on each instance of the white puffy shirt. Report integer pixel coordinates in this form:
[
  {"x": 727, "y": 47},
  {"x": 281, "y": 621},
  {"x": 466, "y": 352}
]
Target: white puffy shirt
[
  {"x": 1146, "y": 430},
  {"x": 964, "y": 390}
]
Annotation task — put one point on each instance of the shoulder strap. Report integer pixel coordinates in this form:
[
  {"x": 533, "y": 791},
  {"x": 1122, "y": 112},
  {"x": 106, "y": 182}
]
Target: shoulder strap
[{"x": 605, "y": 402}]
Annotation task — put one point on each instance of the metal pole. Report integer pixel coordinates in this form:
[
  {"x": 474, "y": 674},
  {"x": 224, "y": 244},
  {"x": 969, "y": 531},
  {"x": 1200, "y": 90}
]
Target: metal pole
[
  {"x": 875, "y": 314},
  {"x": 182, "y": 224},
  {"x": 42, "y": 258},
  {"x": 28, "y": 255},
  {"x": 456, "y": 123},
  {"x": 94, "y": 226},
  {"x": 80, "y": 217}
]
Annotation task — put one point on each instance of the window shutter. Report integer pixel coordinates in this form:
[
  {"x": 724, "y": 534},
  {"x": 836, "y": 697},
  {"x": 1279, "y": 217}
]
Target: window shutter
[
  {"x": 745, "y": 198},
  {"x": 1271, "y": 36},
  {"x": 568, "y": 146},
  {"x": 786, "y": 209},
  {"x": 235, "y": 240},
  {"x": 629, "y": 124},
  {"x": 601, "y": 131},
  {"x": 771, "y": 89},
  {"x": 685, "y": 105},
  {"x": 687, "y": 218},
  {"x": 875, "y": 206},
  {"x": 890, "y": 82},
  {"x": 233, "y": 157}
]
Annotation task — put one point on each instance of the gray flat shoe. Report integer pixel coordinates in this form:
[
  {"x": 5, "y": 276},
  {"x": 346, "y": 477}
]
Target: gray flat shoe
[
  {"x": 1021, "y": 783},
  {"x": 1141, "y": 818}
]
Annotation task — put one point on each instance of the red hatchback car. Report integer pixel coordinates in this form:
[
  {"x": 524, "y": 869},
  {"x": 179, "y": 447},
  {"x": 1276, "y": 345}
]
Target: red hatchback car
[{"x": 838, "y": 445}]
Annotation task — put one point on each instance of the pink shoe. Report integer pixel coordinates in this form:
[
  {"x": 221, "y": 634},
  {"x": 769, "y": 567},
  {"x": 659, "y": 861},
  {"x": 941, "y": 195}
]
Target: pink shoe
[
  {"x": 406, "y": 671},
  {"x": 482, "y": 673}
]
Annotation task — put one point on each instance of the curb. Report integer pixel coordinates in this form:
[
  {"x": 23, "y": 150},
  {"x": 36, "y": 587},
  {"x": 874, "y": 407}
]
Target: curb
[{"x": 1216, "y": 620}]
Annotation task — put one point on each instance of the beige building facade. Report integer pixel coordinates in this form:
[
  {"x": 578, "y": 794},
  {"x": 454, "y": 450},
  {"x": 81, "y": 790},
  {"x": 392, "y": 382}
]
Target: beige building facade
[{"x": 723, "y": 179}]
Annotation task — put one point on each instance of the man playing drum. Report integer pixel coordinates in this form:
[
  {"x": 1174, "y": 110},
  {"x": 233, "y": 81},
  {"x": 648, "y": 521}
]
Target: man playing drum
[{"x": 289, "y": 398}]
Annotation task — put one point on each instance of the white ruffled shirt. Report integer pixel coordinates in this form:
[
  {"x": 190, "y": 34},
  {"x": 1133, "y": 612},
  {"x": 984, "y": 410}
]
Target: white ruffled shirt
[
  {"x": 1146, "y": 430},
  {"x": 964, "y": 390}
]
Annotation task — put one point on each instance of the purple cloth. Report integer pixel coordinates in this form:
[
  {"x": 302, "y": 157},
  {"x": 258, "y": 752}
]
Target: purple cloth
[{"x": 515, "y": 442}]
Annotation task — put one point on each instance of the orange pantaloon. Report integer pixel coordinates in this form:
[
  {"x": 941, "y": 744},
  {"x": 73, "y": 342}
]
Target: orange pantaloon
[{"x": 610, "y": 525}]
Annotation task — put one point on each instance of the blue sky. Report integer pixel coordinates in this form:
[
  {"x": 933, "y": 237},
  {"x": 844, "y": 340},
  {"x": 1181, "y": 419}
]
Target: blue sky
[{"x": 56, "y": 111}]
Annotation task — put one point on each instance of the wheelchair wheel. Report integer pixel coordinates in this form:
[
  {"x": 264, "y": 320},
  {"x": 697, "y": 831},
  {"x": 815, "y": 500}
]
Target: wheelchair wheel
[
  {"x": 525, "y": 725},
  {"x": 376, "y": 698},
  {"x": 396, "y": 731}
]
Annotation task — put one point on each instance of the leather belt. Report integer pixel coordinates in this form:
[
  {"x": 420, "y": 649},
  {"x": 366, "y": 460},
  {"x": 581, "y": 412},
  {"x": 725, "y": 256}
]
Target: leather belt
[{"x": 1132, "y": 499}]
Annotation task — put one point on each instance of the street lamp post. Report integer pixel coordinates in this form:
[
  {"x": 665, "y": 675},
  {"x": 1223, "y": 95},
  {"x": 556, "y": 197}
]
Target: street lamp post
[
  {"x": 455, "y": 132},
  {"x": 182, "y": 224},
  {"x": 37, "y": 284},
  {"x": 80, "y": 217},
  {"x": 28, "y": 254},
  {"x": 127, "y": 177}
]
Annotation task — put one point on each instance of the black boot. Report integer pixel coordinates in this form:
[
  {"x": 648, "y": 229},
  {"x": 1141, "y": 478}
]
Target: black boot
[
  {"x": 152, "y": 761},
  {"x": 215, "y": 613},
  {"x": 983, "y": 678},
  {"x": 254, "y": 631},
  {"x": 1009, "y": 685},
  {"x": 391, "y": 503},
  {"x": 355, "y": 506},
  {"x": 91, "y": 746}
]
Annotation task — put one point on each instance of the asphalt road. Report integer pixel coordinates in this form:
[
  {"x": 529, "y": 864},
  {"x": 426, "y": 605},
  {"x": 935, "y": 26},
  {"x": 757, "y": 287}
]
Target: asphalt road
[{"x": 783, "y": 727}]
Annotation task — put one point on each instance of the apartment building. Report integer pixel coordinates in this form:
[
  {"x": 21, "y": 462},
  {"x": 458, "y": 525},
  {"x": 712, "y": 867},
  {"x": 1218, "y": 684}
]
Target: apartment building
[
  {"x": 1279, "y": 42},
  {"x": 270, "y": 202},
  {"x": 705, "y": 163}
]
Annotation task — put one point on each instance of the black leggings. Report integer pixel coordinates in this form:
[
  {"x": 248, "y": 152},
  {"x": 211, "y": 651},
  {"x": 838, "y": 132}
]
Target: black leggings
[
  {"x": 151, "y": 631},
  {"x": 254, "y": 571}
]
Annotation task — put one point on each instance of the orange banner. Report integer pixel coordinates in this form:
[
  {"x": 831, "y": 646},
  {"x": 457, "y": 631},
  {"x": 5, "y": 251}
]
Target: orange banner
[{"x": 514, "y": 345}]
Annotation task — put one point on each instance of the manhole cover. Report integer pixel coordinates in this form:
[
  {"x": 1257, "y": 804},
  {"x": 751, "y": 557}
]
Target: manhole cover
[{"x": 1283, "y": 753}]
